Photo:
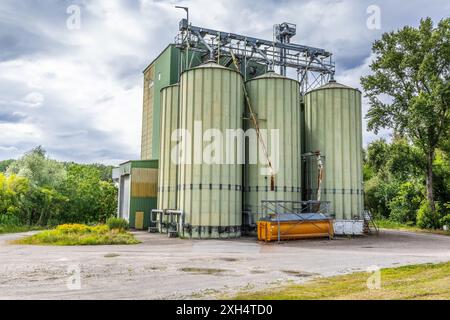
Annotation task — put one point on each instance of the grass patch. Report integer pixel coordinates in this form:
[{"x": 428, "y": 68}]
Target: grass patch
[
  {"x": 427, "y": 281},
  {"x": 393, "y": 225},
  {"x": 79, "y": 235},
  {"x": 17, "y": 228}
]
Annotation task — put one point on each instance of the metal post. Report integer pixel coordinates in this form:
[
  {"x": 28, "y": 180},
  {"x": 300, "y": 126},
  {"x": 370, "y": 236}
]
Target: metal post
[{"x": 279, "y": 224}]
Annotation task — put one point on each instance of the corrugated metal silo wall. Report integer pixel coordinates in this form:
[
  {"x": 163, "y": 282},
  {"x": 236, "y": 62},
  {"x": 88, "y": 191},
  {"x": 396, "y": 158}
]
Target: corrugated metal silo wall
[
  {"x": 211, "y": 194},
  {"x": 276, "y": 102},
  {"x": 168, "y": 169},
  {"x": 334, "y": 126}
]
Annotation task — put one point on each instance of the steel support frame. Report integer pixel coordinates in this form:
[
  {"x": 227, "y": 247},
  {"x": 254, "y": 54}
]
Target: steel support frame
[{"x": 314, "y": 66}]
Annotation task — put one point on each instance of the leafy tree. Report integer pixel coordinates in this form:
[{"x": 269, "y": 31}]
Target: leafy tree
[
  {"x": 43, "y": 201},
  {"x": 404, "y": 161},
  {"x": 377, "y": 154},
  {"x": 378, "y": 195},
  {"x": 405, "y": 204},
  {"x": 39, "y": 190},
  {"x": 441, "y": 169},
  {"x": 12, "y": 192},
  {"x": 409, "y": 89},
  {"x": 40, "y": 171},
  {"x": 105, "y": 171},
  {"x": 91, "y": 199},
  {"x": 4, "y": 165},
  {"x": 427, "y": 218},
  {"x": 395, "y": 190},
  {"x": 107, "y": 201}
]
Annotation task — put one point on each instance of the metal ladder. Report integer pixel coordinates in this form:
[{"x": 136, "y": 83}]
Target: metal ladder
[{"x": 369, "y": 220}]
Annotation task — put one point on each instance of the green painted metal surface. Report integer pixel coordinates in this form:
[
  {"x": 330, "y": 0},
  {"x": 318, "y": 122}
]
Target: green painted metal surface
[
  {"x": 151, "y": 164},
  {"x": 334, "y": 127},
  {"x": 276, "y": 102},
  {"x": 139, "y": 203},
  {"x": 145, "y": 205},
  {"x": 166, "y": 73},
  {"x": 210, "y": 194},
  {"x": 168, "y": 168}
]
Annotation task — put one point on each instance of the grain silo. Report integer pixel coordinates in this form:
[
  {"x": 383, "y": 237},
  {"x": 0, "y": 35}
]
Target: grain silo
[
  {"x": 206, "y": 196},
  {"x": 167, "y": 180},
  {"x": 275, "y": 101},
  {"x": 210, "y": 192},
  {"x": 334, "y": 127}
]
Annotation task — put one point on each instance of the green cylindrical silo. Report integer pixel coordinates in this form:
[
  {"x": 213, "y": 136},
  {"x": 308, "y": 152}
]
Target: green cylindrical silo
[
  {"x": 334, "y": 127},
  {"x": 167, "y": 179},
  {"x": 209, "y": 189},
  {"x": 275, "y": 100}
]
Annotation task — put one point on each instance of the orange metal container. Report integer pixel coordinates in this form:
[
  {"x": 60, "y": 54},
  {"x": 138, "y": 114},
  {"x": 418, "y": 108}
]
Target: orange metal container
[{"x": 290, "y": 230}]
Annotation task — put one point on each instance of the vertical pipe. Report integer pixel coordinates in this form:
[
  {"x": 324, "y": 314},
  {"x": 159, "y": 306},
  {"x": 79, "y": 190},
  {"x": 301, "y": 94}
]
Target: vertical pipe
[{"x": 279, "y": 224}]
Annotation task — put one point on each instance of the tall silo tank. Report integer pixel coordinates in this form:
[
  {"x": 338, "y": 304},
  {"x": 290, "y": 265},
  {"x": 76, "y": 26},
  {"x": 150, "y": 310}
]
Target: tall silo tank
[
  {"x": 167, "y": 178},
  {"x": 210, "y": 194},
  {"x": 275, "y": 100},
  {"x": 334, "y": 127}
]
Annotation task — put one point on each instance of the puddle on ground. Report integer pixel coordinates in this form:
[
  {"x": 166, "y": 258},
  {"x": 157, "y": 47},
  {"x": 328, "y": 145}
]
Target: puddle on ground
[
  {"x": 155, "y": 268},
  {"x": 211, "y": 271},
  {"x": 300, "y": 274},
  {"x": 257, "y": 271},
  {"x": 228, "y": 259}
]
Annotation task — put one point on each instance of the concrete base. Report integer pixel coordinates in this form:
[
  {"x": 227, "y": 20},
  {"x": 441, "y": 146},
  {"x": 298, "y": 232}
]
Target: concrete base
[{"x": 349, "y": 227}]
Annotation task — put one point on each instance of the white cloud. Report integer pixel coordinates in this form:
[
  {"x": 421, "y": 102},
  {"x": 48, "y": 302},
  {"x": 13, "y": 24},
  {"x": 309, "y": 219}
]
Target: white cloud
[{"x": 34, "y": 99}]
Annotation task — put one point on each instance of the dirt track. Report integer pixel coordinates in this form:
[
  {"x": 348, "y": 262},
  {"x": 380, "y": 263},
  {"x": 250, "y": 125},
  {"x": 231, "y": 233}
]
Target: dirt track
[{"x": 162, "y": 268}]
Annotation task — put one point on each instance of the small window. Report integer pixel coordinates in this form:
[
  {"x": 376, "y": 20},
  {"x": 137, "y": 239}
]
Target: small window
[
  {"x": 159, "y": 76},
  {"x": 150, "y": 84}
]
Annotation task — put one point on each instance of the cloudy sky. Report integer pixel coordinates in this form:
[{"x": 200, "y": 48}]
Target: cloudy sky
[{"x": 78, "y": 91}]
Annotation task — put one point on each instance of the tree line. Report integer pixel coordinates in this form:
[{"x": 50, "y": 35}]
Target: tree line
[{"x": 36, "y": 190}]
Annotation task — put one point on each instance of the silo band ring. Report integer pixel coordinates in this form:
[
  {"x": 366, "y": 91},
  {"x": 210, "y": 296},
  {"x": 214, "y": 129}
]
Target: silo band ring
[{"x": 210, "y": 186}]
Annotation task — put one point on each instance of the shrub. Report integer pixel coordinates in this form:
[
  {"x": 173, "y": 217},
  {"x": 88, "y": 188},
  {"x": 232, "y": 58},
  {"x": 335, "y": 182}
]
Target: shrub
[
  {"x": 72, "y": 228},
  {"x": 445, "y": 214},
  {"x": 405, "y": 204},
  {"x": 82, "y": 229},
  {"x": 445, "y": 221},
  {"x": 117, "y": 223},
  {"x": 9, "y": 220},
  {"x": 100, "y": 229},
  {"x": 426, "y": 219},
  {"x": 378, "y": 194}
]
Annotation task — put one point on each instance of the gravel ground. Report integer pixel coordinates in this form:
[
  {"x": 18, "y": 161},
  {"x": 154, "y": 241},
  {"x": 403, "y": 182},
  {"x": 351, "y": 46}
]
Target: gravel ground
[{"x": 162, "y": 268}]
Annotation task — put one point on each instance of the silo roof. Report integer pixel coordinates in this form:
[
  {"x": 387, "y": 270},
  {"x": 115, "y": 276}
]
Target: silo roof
[
  {"x": 271, "y": 75},
  {"x": 212, "y": 65},
  {"x": 332, "y": 84}
]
